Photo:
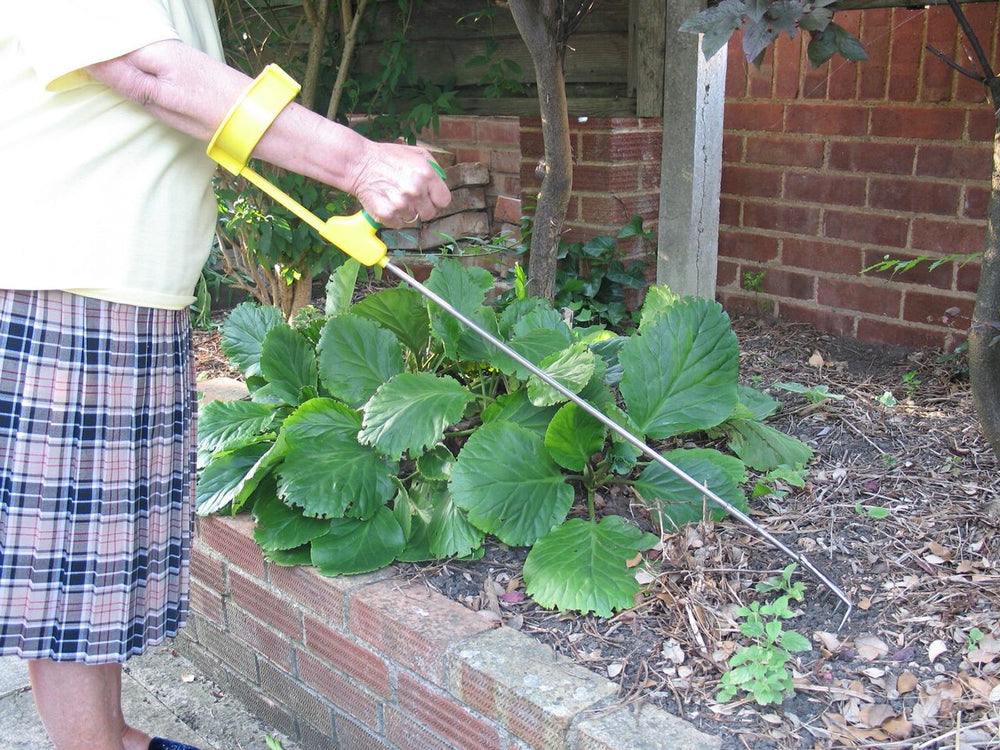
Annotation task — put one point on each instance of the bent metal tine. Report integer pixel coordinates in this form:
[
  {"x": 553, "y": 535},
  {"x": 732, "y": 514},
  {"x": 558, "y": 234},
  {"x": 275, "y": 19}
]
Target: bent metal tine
[{"x": 625, "y": 434}]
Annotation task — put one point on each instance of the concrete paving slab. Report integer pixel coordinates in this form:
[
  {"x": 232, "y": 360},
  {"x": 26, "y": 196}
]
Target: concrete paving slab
[{"x": 162, "y": 692}]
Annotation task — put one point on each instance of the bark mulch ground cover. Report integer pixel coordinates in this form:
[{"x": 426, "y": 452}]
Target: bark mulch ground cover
[{"x": 900, "y": 508}]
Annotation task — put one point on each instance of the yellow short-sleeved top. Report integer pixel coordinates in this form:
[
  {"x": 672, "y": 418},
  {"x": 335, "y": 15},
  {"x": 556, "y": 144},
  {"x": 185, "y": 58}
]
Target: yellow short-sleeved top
[{"x": 97, "y": 196}]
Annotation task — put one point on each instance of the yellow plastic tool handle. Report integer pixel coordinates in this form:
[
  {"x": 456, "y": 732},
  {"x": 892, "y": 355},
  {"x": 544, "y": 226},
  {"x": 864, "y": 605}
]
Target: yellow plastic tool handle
[{"x": 243, "y": 127}]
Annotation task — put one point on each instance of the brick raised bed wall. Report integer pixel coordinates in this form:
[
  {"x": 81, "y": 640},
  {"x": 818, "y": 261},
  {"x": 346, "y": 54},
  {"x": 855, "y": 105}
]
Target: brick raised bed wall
[
  {"x": 827, "y": 171},
  {"x": 379, "y": 662}
]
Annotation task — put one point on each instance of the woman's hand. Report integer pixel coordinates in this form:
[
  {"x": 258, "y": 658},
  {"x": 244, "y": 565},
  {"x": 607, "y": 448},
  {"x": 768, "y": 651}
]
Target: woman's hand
[{"x": 398, "y": 185}]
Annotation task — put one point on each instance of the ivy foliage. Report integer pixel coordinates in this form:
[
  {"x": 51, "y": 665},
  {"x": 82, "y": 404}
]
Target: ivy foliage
[
  {"x": 762, "y": 21},
  {"x": 385, "y": 431}
]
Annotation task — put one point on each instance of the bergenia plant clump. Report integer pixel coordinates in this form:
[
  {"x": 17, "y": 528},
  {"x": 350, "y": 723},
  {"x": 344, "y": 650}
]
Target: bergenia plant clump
[{"x": 382, "y": 430}]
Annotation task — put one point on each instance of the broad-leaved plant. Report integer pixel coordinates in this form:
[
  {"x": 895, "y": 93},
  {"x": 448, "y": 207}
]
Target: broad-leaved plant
[{"x": 383, "y": 430}]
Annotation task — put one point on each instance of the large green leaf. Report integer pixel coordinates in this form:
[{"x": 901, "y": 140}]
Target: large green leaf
[
  {"x": 288, "y": 361},
  {"x": 436, "y": 528},
  {"x": 535, "y": 346},
  {"x": 282, "y": 528},
  {"x": 465, "y": 289},
  {"x": 410, "y": 412},
  {"x": 356, "y": 357},
  {"x": 583, "y": 566},
  {"x": 326, "y": 471},
  {"x": 680, "y": 374},
  {"x": 436, "y": 464},
  {"x": 257, "y": 473},
  {"x": 573, "y": 368},
  {"x": 289, "y": 558},
  {"x": 355, "y": 546},
  {"x": 764, "y": 448},
  {"x": 244, "y": 331},
  {"x": 473, "y": 347},
  {"x": 340, "y": 287},
  {"x": 401, "y": 310},
  {"x": 758, "y": 403},
  {"x": 573, "y": 436},
  {"x": 223, "y": 477},
  {"x": 717, "y": 24},
  {"x": 515, "y": 407},
  {"x": 523, "y": 309},
  {"x": 509, "y": 485},
  {"x": 675, "y": 502},
  {"x": 225, "y": 423}
]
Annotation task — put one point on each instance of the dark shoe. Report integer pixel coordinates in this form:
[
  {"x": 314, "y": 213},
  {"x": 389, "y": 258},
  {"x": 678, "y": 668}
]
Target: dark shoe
[{"x": 158, "y": 743}]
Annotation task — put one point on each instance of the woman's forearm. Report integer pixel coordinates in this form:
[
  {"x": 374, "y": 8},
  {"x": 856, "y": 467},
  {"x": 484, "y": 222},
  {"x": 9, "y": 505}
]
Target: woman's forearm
[{"x": 192, "y": 92}]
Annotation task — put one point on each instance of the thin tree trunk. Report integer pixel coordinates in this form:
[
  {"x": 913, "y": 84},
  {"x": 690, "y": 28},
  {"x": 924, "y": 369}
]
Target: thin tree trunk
[
  {"x": 537, "y": 21},
  {"x": 350, "y": 40},
  {"x": 984, "y": 335},
  {"x": 317, "y": 15}
]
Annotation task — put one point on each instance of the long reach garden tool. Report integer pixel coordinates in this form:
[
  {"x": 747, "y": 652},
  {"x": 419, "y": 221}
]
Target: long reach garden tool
[{"x": 356, "y": 235}]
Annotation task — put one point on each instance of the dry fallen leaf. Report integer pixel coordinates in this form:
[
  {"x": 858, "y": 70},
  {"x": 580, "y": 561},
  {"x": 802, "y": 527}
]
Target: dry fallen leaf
[
  {"x": 876, "y": 715},
  {"x": 828, "y": 640},
  {"x": 673, "y": 651},
  {"x": 906, "y": 683},
  {"x": 816, "y": 360},
  {"x": 870, "y": 647},
  {"x": 937, "y": 550},
  {"x": 899, "y": 727},
  {"x": 935, "y": 650}
]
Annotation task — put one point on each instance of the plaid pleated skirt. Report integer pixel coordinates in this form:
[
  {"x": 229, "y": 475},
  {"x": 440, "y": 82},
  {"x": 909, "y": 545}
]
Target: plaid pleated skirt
[{"x": 97, "y": 458}]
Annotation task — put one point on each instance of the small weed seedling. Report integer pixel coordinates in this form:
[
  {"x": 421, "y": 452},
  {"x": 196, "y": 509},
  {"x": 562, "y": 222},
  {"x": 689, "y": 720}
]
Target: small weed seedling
[
  {"x": 889, "y": 461},
  {"x": 759, "y": 669},
  {"x": 911, "y": 383},
  {"x": 783, "y": 584},
  {"x": 816, "y": 394},
  {"x": 753, "y": 281},
  {"x": 875, "y": 512},
  {"x": 272, "y": 744},
  {"x": 887, "y": 399},
  {"x": 975, "y": 636}
]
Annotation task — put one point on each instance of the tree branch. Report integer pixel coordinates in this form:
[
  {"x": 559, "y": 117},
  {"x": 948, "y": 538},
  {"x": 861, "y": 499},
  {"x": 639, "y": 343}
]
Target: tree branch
[{"x": 350, "y": 39}]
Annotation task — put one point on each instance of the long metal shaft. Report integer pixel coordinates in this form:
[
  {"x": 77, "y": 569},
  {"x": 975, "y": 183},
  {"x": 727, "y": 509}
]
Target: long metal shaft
[{"x": 625, "y": 434}]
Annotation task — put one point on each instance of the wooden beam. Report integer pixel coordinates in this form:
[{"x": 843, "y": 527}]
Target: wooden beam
[{"x": 647, "y": 47}]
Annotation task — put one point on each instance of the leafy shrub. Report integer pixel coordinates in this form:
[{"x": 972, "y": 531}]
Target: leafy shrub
[
  {"x": 591, "y": 281},
  {"x": 386, "y": 431}
]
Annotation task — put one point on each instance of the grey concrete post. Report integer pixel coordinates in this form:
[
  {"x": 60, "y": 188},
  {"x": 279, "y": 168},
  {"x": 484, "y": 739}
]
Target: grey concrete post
[{"x": 691, "y": 166}]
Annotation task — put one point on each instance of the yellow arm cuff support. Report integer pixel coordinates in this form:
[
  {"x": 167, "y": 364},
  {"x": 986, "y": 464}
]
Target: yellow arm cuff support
[{"x": 236, "y": 138}]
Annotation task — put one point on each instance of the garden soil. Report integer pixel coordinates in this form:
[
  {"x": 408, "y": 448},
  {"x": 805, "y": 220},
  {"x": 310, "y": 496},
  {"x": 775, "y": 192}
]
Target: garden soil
[{"x": 900, "y": 508}]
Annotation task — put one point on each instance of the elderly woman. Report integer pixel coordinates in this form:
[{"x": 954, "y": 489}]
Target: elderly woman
[{"x": 109, "y": 214}]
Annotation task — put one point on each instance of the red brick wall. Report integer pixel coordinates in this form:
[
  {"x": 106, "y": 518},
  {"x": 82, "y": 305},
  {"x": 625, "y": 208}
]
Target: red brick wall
[
  {"x": 616, "y": 175},
  {"x": 616, "y": 170},
  {"x": 827, "y": 171},
  {"x": 495, "y": 142}
]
